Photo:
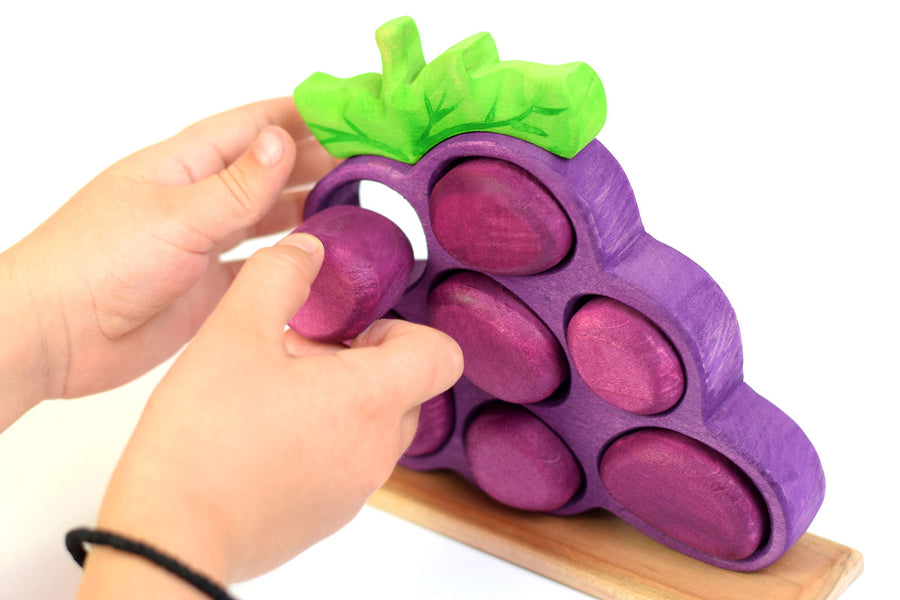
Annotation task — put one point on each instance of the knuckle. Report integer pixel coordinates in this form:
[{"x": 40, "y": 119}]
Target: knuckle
[{"x": 243, "y": 204}]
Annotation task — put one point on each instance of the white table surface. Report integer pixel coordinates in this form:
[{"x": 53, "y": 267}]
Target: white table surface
[{"x": 760, "y": 139}]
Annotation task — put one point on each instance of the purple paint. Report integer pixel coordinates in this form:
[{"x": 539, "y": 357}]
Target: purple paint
[
  {"x": 507, "y": 351},
  {"x": 613, "y": 257},
  {"x": 496, "y": 217},
  {"x": 686, "y": 490},
  {"x": 435, "y": 425},
  {"x": 624, "y": 358},
  {"x": 367, "y": 264},
  {"x": 518, "y": 460}
]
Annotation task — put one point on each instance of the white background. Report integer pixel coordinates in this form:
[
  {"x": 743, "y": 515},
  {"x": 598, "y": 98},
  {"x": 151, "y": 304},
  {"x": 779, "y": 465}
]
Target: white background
[{"x": 760, "y": 139}]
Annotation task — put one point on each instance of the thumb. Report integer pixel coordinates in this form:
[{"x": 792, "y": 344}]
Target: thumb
[
  {"x": 272, "y": 285},
  {"x": 239, "y": 195}
]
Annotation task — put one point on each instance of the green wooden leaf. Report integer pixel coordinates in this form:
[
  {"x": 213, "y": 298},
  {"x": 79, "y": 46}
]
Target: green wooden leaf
[
  {"x": 491, "y": 113},
  {"x": 413, "y": 106},
  {"x": 525, "y": 127},
  {"x": 541, "y": 110}
]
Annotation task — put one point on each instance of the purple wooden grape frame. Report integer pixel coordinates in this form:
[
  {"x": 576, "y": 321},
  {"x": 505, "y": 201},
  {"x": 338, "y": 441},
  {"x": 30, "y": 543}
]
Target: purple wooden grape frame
[{"x": 613, "y": 256}]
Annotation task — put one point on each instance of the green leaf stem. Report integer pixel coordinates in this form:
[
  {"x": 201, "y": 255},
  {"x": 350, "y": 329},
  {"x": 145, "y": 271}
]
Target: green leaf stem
[{"x": 414, "y": 106}]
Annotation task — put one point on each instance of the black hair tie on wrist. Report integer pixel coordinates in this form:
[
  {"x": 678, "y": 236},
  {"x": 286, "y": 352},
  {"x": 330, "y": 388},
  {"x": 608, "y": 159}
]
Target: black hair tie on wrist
[{"x": 76, "y": 539}]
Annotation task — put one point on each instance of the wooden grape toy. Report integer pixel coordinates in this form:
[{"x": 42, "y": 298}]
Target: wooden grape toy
[{"x": 603, "y": 368}]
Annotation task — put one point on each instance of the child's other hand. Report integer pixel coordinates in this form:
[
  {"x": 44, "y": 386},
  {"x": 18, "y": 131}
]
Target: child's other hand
[
  {"x": 128, "y": 269},
  {"x": 258, "y": 443}
]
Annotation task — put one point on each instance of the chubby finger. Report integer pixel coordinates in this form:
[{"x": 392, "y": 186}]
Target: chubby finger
[
  {"x": 283, "y": 217},
  {"x": 407, "y": 362},
  {"x": 272, "y": 285},
  {"x": 233, "y": 129},
  {"x": 208, "y": 146},
  {"x": 239, "y": 195}
]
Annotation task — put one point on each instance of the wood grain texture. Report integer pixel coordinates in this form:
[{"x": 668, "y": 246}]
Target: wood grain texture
[
  {"x": 435, "y": 425},
  {"x": 601, "y": 555},
  {"x": 412, "y": 106},
  {"x": 520, "y": 461},
  {"x": 367, "y": 266},
  {"x": 496, "y": 217},
  {"x": 624, "y": 358},
  {"x": 686, "y": 490},
  {"x": 508, "y": 351}
]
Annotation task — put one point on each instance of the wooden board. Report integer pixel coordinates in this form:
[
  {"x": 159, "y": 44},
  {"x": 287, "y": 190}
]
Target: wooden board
[{"x": 602, "y": 555}]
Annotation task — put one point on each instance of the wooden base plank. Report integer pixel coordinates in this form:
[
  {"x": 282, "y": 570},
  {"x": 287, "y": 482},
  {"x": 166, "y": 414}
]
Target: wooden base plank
[{"x": 601, "y": 555}]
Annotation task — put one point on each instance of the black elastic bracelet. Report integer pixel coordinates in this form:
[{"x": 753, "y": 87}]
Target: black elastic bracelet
[{"x": 76, "y": 539}]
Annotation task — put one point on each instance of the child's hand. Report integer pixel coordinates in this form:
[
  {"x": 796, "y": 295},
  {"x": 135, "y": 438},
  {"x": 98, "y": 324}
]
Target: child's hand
[
  {"x": 258, "y": 443},
  {"x": 127, "y": 270}
]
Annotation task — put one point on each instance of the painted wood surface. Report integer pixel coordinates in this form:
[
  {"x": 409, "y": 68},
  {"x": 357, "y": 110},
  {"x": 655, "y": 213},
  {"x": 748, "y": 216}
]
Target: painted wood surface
[
  {"x": 412, "y": 106},
  {"x": 602, "y": 555},
  {"x": 678, "y": 322},
  {"x": 435, "y": 425},
  {"x": 367, "y": 265},
  {"x": 624, "y": 358},
  {"x": 508, "y": 351},
  {"x": 686, "y": 490},
  {"x": 520, "y": 461},
  {"x": 497, "y": 218}
]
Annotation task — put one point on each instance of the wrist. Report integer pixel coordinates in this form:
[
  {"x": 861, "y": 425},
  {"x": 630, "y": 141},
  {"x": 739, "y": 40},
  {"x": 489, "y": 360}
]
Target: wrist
[
  {"x": 177, "y": 529},
  {"x": 25, "y": 372},
  {"x": 112, "y": 573},
  {"x": 143, "y": 504}
]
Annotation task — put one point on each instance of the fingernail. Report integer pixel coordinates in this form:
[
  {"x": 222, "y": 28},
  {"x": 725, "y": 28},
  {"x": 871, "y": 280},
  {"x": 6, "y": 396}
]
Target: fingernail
[
  {"x": 304, "y": 241},
  {"x": 268, "y": 148}
]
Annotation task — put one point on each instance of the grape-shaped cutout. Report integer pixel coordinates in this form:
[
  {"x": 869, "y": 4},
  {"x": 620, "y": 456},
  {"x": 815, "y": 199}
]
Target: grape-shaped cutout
[
  {"x": 367, "y": 265},
  {"x": 686, "y": 490},
  {"x": 496, "y": 217},
  {"x": 507, "y": 349},
  {"x": 518, "y": 460},
  {"x": 624, "y": 358},
  {"x": 435, "y": 425}
]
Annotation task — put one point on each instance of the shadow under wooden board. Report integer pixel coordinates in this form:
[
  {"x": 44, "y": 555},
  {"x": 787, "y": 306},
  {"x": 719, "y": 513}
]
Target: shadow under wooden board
[{"x": 601, "y": 555}]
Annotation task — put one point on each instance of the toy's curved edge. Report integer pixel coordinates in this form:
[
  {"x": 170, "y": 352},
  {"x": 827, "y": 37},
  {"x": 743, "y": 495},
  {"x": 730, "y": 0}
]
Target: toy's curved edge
[{"x": 782, "y": 455}]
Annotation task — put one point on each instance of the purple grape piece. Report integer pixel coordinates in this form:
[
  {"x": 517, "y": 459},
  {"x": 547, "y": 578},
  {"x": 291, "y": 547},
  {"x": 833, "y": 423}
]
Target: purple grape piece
[
  {"x": 497, "y": 218},
  {"x": 507, "y": 351},
  {"x": 435, "y": 425},
  {"x": 367, "y": 265},
  {"x": 624, "y": 358},
  {"x": 518, "y": 460},
  {"x": 687, "y": 490},
  {"x": 612, "y": 257}
]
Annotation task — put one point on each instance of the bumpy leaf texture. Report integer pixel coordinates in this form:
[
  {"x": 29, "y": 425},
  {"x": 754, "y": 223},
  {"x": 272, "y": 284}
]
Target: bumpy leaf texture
[{"x": 413, "y": 106}]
